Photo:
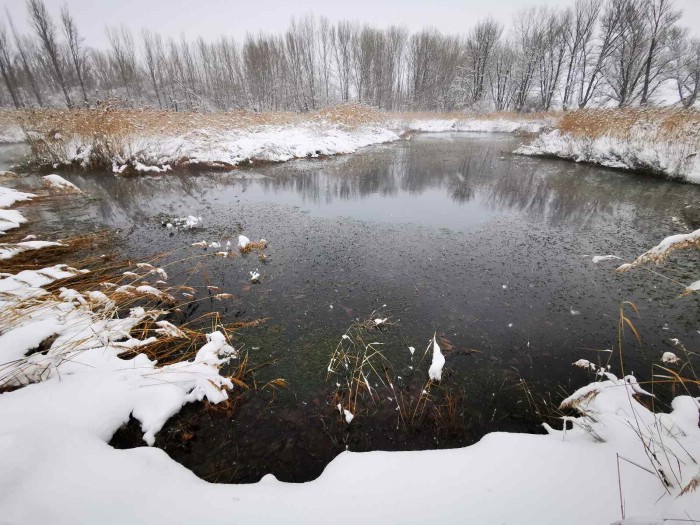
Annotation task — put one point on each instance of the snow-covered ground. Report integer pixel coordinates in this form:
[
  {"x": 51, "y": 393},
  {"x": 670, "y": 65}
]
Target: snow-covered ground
[
  {"x": 672, "y": 159},
  {"x": 474, "y": 125},
  {"x": 160, "y": 154},
  {"x": 616, "y": 458}
]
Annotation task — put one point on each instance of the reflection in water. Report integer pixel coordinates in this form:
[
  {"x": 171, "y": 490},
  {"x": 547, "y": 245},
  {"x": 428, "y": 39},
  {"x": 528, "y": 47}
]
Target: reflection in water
[{"x": 457, "y": 184}]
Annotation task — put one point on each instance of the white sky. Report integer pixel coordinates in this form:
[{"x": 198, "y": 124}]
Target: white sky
[{"x": 211, "y": 18}]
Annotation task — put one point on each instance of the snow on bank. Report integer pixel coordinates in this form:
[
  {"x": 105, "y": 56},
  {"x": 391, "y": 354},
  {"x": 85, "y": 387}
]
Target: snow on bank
[
  {"x": 675, "y": 160},
  {"x": 475, "y": 125},
  {"x": 54, "y": 445},
  {"x": 226, "y": 149},
  {"x": 231, "y": 148},
  {"x": 10, "y": 219},
  {"x": 7, "y": 251},
  {"x": 58, "y": 183}
]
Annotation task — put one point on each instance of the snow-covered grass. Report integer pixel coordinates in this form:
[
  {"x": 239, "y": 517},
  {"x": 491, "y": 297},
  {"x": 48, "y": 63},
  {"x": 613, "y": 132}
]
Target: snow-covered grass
[
  {"x": 659, "y": 253},
  {"x": 58, "y": 183},
  {"x": 128, "y": 141},
  {"x": 660, "y": 142},
  {"x": 11, "y": 219}
]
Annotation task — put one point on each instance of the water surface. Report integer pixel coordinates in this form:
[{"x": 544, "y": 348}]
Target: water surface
[{"x": 448, "y": 234}]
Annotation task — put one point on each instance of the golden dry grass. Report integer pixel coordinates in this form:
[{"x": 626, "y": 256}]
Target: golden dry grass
[
  {"x": 667, "y": 124},
  {"x": 461, "y": 115},
  {"x": 118, "y": 122}
]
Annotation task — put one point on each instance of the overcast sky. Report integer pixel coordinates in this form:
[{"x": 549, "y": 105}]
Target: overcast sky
[{"x": 211, "y": 18}]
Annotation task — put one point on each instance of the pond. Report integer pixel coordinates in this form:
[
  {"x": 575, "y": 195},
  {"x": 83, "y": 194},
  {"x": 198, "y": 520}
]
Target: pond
[{"x": 446, "y": 234}]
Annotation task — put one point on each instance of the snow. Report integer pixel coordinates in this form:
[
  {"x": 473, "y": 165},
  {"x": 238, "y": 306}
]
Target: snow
[
  {"x": 348, "y": 416},
  {"x": 9, "y": 196},
  {"x": 600, "y": 258},
  {"x": 585, "y": 363},
  {"x": 54, "y": 445},
  {"x": 57, "y": 182},
  {"x": 693, "y": 287},
  {"x": 10, "y": 219},
  {"x": 169, "y": 329},
  {"x": 435, "y": 370},
  {"x": 188, "y": 222},
  {"x": 661, "y": 250},
  {"x": 7, "y": 251},
  {"x": 675, "y": 160},
  {"x": 255, "y": 276},
  {"x": 157, "y": 154},
  {"x": 669, "y": 358},
  {"x": 473, "y": 125}
]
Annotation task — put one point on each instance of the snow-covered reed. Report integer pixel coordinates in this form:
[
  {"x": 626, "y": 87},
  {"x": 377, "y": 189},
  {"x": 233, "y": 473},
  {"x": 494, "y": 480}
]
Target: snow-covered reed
[
  {"x": 149, "y": 141},
  {"x": 659, "y": 142}
]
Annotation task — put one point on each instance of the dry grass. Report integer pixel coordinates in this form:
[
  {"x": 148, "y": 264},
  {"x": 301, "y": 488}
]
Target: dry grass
[
  {"x": 461, "y": 115},
  {"x": 364, "y": 380},
  {"x": 668, "y": 124},
  {"x": 118, "y": 122}
]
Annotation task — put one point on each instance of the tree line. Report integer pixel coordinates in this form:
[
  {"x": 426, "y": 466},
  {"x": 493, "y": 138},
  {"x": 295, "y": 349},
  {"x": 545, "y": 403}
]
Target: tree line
[{"x": 612, "y": 52}]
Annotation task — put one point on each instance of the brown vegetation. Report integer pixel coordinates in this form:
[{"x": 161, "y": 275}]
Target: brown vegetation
[{"x": 667, "y": 124}]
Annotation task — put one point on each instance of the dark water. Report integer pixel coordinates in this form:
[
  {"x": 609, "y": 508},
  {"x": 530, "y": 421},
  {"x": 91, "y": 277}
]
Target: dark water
[{"x": 455, "y": 236}]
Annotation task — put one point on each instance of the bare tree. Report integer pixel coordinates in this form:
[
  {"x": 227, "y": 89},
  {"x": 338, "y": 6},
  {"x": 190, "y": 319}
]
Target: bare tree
[
  {"x": 626, "y": 69},
  {"x": 77, "y": 54},
  {"x": 685, "y": 70},
  {"x": 6, "y": 68},
  {"x": 123, "y": 54},
  {"x": 480, "y": 47},
  {"x": 551, "y": 58},
  {"x": 578, "y": 35},
  {"x": 595, "y": 57},
  {"x": 660, "y": 18},
  {"x": 343, "y": 35},
  {"x": 501, "y": 76},
  {"x": 46, "y": 32},
  {"x": 23, "y": 54}
]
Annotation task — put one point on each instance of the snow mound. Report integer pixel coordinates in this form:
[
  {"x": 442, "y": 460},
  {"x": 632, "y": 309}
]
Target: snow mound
[
  {"x": 9, "y": 196},
  {"x": 58, "y": 183}
]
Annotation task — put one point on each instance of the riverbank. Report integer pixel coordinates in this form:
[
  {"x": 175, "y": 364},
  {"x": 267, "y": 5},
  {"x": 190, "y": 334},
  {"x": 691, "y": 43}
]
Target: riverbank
[
  {"x": 660, "y": 142},
  {"x": 149, "y": 141}
]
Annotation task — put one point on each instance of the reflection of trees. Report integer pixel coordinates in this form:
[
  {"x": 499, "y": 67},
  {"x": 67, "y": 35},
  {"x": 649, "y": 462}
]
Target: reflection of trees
[{"x": 556, "y": 191}]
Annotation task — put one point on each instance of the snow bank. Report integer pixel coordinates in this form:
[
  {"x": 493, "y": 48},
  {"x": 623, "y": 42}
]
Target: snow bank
[
  {"x": 10, "y": 219},
  {"x": 675, "y": 160},
  {"x": 473, "y": 125},
  {"x": 230, "y": 148},
  {"x": 54, "y": 445},
  {"x": 9, "y": 196},
  {"x": 56, "y": 182}
]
